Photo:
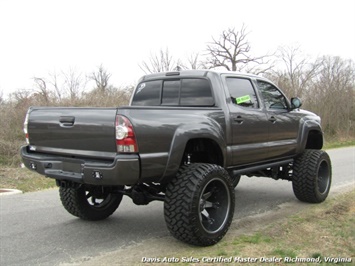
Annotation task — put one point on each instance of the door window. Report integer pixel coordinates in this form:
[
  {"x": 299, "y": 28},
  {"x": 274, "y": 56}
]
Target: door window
[
  {"x": 273, "y": 98},
  {"x": 242, "y": 92}
]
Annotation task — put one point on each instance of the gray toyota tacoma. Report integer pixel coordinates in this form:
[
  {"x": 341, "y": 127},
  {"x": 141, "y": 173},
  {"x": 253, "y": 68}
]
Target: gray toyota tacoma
[{"x": 185, "y": 139}]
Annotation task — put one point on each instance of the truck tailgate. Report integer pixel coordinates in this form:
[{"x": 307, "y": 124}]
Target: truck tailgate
[{"x": 75, "y": 131}]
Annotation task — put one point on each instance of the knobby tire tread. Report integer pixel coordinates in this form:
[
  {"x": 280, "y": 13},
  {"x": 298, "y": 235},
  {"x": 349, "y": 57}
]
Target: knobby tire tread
[
  {"x": 305, "y": 176},
  {"x": 178, "y": 200},
  {"x": 75, "y": 202}
]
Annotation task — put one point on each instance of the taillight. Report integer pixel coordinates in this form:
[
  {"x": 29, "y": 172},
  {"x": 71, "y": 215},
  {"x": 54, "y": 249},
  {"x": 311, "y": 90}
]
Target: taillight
[
  {"x": 125, "y": 138},
  {"x": 25, "y": 127}
]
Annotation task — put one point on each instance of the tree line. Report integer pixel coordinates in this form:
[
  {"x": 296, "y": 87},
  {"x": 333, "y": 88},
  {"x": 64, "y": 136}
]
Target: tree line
[{"x": 326, "y": 85}]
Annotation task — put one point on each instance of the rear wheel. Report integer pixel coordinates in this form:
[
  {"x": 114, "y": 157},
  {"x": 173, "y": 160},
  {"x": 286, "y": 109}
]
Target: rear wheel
[
  {"x": 312, "y": 176},
  {"x": 199, "y": 204},
  {"x": 90, "y": 203}
]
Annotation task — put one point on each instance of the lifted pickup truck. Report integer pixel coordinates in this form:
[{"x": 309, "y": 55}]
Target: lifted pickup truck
[{"x": 186, "y": 139}]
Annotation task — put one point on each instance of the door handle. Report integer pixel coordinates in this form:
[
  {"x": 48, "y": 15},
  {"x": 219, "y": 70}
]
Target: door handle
[
  {"x": 67, "y": 121},
  {"x": 239, "y": 119},
  {"x": 272, "y": 119}
]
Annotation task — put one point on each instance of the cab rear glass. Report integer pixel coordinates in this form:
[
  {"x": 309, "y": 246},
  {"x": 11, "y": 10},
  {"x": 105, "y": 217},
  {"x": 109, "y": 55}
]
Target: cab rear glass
[{"x": 174, "y": 92}]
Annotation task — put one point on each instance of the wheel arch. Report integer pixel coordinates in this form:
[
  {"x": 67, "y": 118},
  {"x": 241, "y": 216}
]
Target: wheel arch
[
  {"x": 310, "y": 137},
  {"x": 314, "y": 140},
  {"x": 203, "y": 139},
  {"x": 203, "y": 150}
]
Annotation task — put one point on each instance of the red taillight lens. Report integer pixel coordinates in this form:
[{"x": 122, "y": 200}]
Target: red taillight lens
[{"x": 125, "y": 138}]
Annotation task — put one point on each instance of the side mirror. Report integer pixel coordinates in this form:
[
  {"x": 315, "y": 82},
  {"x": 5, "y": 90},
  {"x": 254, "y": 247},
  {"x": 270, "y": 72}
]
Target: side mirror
[{"x": 296, "y": 103}]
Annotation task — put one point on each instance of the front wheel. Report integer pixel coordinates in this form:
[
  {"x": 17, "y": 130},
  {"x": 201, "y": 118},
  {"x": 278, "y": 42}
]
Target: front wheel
[
  {"x": 91, "y": 202},
  {"x": 312, "y": 176},
  {"x": 235, "y": 180},
  {"x": 199, "y": 204}
]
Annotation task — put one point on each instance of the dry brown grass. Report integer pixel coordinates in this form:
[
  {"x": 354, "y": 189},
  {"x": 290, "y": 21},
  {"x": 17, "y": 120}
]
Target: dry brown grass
[{"x": 23, "y": 179}]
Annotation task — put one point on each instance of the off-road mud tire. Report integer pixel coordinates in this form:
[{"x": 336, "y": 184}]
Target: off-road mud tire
[
  {"x": 80, "y": 203},
  {"x": 236, "y": 180},
  {"x": 199, "y": 204},
  {"x": 312, "y": 176}
]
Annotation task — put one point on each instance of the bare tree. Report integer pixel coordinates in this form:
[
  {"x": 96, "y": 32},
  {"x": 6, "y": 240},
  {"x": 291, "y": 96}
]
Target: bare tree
[
  {"x": 193, "y": 61},
  {"x": 101, "y": 78},
  {"x": 59, "y": 87},
  {"x": 332, "y": 96},
  {"x": 44, "y": 92},
  {"x": 232, "y": 51},
  {"x": 73, "y": 83},
  {"x": 54, "y": 81},
  {"x": 296, "y": 70},
  {"x": 160, "y": 62}
]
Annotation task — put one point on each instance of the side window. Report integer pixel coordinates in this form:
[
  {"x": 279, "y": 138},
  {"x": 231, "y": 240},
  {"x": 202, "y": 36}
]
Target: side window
[
  {"x": 273, "y": 98},
  {"x": 147, "y": 93},
  {"x": 242, "y": 92}
]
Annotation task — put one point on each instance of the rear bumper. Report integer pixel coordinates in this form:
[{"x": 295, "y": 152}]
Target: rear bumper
[{"x": 122, "y": 170}]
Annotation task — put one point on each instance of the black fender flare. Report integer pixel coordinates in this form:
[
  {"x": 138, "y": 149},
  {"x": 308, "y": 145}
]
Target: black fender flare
[
  {"x": 307, "y": 127},
  {"x": 183, "y": 135}
]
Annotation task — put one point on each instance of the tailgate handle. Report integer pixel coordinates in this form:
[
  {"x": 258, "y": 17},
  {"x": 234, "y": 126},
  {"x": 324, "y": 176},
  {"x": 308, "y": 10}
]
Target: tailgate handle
[{"x": 67, "y": 121}]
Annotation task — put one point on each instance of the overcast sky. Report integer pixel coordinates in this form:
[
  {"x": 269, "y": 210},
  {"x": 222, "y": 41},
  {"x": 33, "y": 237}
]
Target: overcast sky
[{"x": 38, "y": 37}]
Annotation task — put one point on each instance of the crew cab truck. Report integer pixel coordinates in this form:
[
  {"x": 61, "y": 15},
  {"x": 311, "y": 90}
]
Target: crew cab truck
[{"x": 185, "y": 139}]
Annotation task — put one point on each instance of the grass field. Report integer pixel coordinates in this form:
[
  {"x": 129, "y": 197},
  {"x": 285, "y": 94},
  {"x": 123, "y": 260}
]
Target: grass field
[
  {"x": 23, "y": 179},
  {"x": 296, "y": 234},
  {"x": 319, "y": 232}
]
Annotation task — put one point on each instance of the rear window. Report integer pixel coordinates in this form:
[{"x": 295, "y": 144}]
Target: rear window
[
  {"x": 171, "y": 91},
  {"x": 147, "y": 93},
  {"x": 174, "y": 92}
]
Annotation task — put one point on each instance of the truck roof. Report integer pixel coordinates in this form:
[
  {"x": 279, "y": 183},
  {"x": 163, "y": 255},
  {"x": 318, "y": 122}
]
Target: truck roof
[{"x": 195, "y": 73}]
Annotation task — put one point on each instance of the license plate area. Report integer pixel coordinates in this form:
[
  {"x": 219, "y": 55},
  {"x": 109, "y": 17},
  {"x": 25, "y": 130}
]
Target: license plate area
[{"x": 71, "y": 167}]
